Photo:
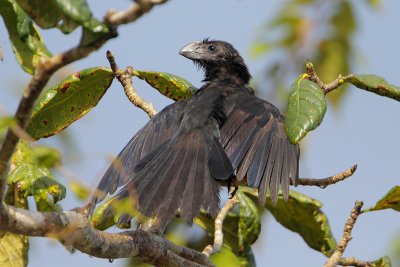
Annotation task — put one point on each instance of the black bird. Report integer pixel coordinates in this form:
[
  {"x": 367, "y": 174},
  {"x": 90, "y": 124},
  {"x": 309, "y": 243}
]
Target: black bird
[{"x": 223, "y": 134}]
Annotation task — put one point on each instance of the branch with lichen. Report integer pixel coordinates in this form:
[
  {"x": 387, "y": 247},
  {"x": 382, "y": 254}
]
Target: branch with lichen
[{"x": 348, "y": 227}]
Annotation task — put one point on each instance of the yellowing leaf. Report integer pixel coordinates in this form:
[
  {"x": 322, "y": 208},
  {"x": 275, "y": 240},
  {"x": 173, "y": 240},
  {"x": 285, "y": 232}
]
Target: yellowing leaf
[
  {"x": 389, "y": 201},
  {"x": 13, "y": 250}
]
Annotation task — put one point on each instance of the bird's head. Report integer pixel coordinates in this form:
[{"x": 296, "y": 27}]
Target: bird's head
[{"x": 219, "y": 59}]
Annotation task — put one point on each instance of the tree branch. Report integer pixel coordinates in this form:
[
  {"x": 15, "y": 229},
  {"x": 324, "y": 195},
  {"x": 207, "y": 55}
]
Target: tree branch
[
  {"x": 73, "y": 228},
  {"x": 125, "y": 78},
  {"x": 218, "y": 224},
  {"x": 348, "y": 227},
  {"x": 132, "y": 13},
  {"x": 323, "y": 183}
]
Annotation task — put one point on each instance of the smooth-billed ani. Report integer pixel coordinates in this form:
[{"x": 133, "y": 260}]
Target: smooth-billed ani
[{"x": 223, "y": 134}]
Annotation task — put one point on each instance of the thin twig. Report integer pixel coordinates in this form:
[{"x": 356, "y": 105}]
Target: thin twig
[
  {"x": 218, "y": 224},
  {"x": 348, "y": 227},
  {"x": 326, "y": 87},
  {"x": 125, "y": 78},
  {"x": 328, "y": 180},
  {"x": 354, "y": 262}
]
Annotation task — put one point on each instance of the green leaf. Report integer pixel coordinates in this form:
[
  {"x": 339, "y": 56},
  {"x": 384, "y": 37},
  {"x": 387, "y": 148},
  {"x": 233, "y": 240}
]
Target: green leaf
[
  {"x": 48, "y": 157},
  {"x": 13, "y": 250},
  {"x": 303, "y": 215},
  {"x": 79, "y": 190},
  {"x": 226, "y": 258},
  {"x": 249, "y": 221},
  {"x": 333, "y": 54},
  {"x": 108, "y": 214},
  {"x": 5, "y": 123},
  {"x": 241, "y": 229},
  {"x": 382, "y": 262},
  {"x": 306, "y": 109},
  {"x": 29, "y": 178},
  {"x": 66, "y": 15},
  {"x": 375, "y": 84},
  {"x": 170, "y": 85},
  {"x": 70, "y": 100},
  {"x": 259, "y": 49},
  {"x": 26, "y": 41},
  {"x": 389, "y": 201}
]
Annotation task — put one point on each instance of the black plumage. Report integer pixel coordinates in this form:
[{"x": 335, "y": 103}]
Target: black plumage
[{"x": 223, "y": 134}]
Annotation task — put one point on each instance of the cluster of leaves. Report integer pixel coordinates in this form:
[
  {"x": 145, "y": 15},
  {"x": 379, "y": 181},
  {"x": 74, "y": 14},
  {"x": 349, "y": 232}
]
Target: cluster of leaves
[{"x": 30, "y": 175}]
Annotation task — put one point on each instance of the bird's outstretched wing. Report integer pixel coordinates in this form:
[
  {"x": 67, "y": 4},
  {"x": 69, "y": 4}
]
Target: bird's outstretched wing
[
  {"x": 157, "y": 131},
  {"x": 254, "y": 139}
]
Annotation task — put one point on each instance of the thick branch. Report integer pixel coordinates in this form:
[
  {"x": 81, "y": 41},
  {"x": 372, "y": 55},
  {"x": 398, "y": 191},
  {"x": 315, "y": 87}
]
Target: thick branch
[
  {"x": 348, "y": 227},
  {"x": 218, "y": 224},
  {"x": 125, "y": 78},
  {"x": 328, "y": 180},
  {"x": 73, "y": 229}
]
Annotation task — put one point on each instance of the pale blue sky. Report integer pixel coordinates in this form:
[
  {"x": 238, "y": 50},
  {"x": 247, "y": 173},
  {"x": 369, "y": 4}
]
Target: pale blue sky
[{"x": 365, "y": 131}]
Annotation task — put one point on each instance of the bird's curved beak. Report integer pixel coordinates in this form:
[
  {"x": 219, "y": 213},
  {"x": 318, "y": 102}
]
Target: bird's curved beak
[{"x": 192, "y": 50}]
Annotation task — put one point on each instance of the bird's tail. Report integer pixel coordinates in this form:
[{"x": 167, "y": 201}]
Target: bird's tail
[{"x": 180, "y": 174}]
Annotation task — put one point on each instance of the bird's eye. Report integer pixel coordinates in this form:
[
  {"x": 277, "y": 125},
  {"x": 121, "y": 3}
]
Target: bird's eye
[{"x": 211, "y": 48}]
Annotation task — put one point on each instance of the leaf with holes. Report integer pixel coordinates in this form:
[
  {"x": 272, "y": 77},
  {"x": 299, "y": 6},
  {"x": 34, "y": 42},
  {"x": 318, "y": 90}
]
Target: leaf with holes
[
  {"x": 303, "y": 215},
  {"x": 375, "y": 84},
  {"x": 170, "y": 85},
  {"x": 27, "y": 44},
  {"x": 67, "y": 102},
  {"x": 306, "y": 109},
  {"x": 389, "y": 201}
]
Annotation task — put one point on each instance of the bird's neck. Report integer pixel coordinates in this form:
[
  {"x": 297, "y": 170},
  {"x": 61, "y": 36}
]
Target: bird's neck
[{"x": 239, "y": 74}]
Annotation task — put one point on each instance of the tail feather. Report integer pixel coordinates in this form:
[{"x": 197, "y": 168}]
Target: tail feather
[
  {"x": 193, "y": 193},
  {"x": 265, "y": 184},
  {"x": 276, "y": 175},
  {"x": 180, "y": 174},
  {"x": 151, "y": 184},
  {"x": 257, "y": 168}
]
